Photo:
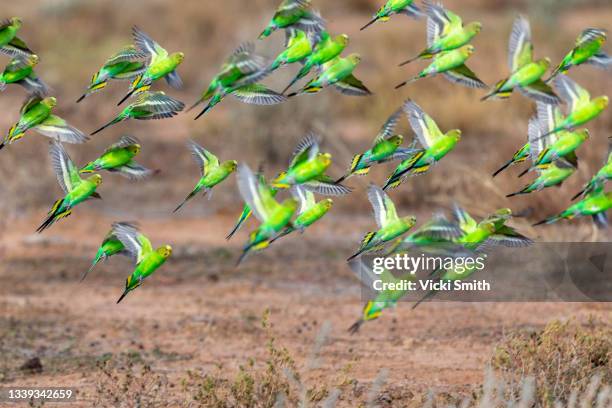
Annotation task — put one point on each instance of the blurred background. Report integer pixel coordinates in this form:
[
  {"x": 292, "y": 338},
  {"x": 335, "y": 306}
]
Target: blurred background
[{"x": 73, "y": 39}]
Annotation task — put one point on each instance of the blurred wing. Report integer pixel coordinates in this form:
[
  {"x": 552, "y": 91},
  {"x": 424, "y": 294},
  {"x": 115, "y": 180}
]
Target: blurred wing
[
  {"x": 601, "y": 60},
  {"x": 423, "y": 125},
  {"x": 249, "y": 187},
  {"x": 257, "y": 94},
  {"x": 203, "y": 157},
  {"x": 352, "y": 86},
  {"x": 137, "y": 245},
  {"x": 572, "y": 93},
  {"x": 465, "y": 220},
  {"x": 439, "y": 21},
  {"x": 67, "y": 174},
  {"x": 306, "y": 149},
  {"x": 129, "y": 53},
  {"x": 305, "y": 198},
  {"x": 464, "y": 76},
  {"x": 245, "y": 59},
  {"x": 540, "y": 92},
  {"x": 590, "y": 34},
  {"x": 57, "y": 128},
  {"x": 135, "y": 171},
  {"x": 537, "y": 143},
  {"x": 29, "y": 102},
  {"x": 549, "y": 117},
  {"x": 174, "y": 80},
  {"x": 439, "y": 228},
  {"x": 158, "y": 103},
  {"x": 326, "y": 188},
  {"x": 507, "y": 236},
  {"x": 520, "y": 51},
  {"x": 384, "y": 209},
  {"x": 34, "y": 85},
  {"x": 388, "y": 128},
  {"x": 124, "y": 141},
  {"x": 146, "y": 44}
]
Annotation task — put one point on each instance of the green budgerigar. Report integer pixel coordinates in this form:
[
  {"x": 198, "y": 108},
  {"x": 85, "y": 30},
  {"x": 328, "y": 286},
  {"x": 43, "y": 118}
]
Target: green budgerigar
[
  {"x": 327, "y": 49},
  {"x": 599, "y": 180},
  {"x": 434, "y": 145},
  {"x": 586, "y": 51},
  {"x": 310, "y": 211},
  {"x": 212, "y": 171},
  {"x": 238, "y": 77},
  {"x": 522, "y": 154},
  {"x": 525, "y": 73},
  {"x": 390, "y": 225},
  {"x": 392, "y": 7},
  {"x": 385, "y": 148},
  {"x": 161, "y": 65},
  {"x": 339, "y": 74},
  {"x": 294, "y": 14},
  {"x": 36, "y": 114},
  {"x": 307, "y": 168},
  {"x": 147, "y": 259},
  {"x": 128, "y": 63},
  {"x": 436, "y": 234},
  {"x": 75, "y": 188},
  {"x": 119, "y": 157},
  {"x": 10, "y": 44},
  {"x": 272, "y": 215},
  {"x": 582, "y": 108},
  {"x": 452, "y": 65},
  {"x": 299, "y": 47},
  {"x": 20, "y": 71},
  {"x": 554, "y": 174},
  {"x": 594, "y": 204},
  {"x": 110, "y": 246},
  {"x": 445, "y": 31},
  {"x": 148, "y": 106}
]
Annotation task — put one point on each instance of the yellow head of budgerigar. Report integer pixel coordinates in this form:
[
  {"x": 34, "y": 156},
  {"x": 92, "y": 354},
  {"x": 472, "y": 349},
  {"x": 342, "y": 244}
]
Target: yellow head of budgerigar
[
  {"x": 165, "y": 251},
  {"x": 396, "y": 140},
  {"x": 16, "y": 21},
  {"x": 96, "y": 179},
  {"x": 328, "y": 203},
  {"x": 601, "y": 102},
  {"x": 49, "y": 102},
  {"x": 134, "y": 149},
  {"x": 177, "y": 57},
  {"x": 342, "y": 39}
]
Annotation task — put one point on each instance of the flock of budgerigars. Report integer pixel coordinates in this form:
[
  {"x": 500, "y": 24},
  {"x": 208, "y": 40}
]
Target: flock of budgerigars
[{"x": 553, "y": 135}]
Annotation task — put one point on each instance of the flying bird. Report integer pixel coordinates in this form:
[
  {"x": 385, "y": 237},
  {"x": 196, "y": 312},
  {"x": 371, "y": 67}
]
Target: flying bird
[
  {"x": 148, "y": 106},
  {"x": 445, "y": 31},
  {"x": 10, "y": 44},
  {"x": 434, "y": 145},
  {"x": 390, "y": 225},
  {"x": 327, "y": 49},
  {"x": 294, "y": 14},
  {"x": 310, "y": 211},
  {"x": 212, "y": 171},
  {"x": 140, "y": 249},
  {"x": 392, "y": 7},
  {"x": 385, "y": 148},
  {"x": 20, "y": 71},
  {"x": 109, "y": 247},
  {"x": 594, "y": 204},
  {"x": 238, "y": 77},
  {"x": 128, "y": 63},
  {"x": 525, "y": 73},
  {"x": 586, "y": 51},
  {"x": 161, "y": 65},
  {"x": 452, "y": 65},
  {"x": 299, "y": 47},
  {"x": 36, "y": 114},
  {"x": 119, "y": 158},
  {"x": 339, "y": 74},
  {"x": 601, "y": 177},
  {"x": 272, "y": 215},
  {"x": 75, "y": 188}
]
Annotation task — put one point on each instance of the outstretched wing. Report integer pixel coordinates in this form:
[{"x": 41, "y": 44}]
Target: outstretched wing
[
  {"x": 137, "y": 245},
  {"x": 388, "y": 128},
  {"x": 305, "y": 198},
  {"x": 439, "y": 22},
  {"x": 257, "y": 94},
  {"x": 306, "y": 149},
  {"x": 549, "y": 117},
  {"x": 509, "y": 237},
  {"x": 465, "y": 220},
  {"x": 537, "y": 143},
  {"x": 352, "y": 86},
  {"x": 145, "y": 44},
  {"x": 245, "y": 59},
  {"x": 464, "y": 76},
  {"x": 124, "y": 141},
  {"x": 57, "y": 128},
  {"x": 65, "y": 170},
  {"x": 520, "y": 50},
  {"x": 572, "y": 93},
  {"x": 384, "y": 209},
  {"x": 423, "y": 125},
  {"x": 590, "y": 34},
  {"x": 129, "y": 53},
  {"x": 205, "y": 159},
  {"x": 253, "y": 192},
  {"x": 540, "y": 92},
  {"x": 157, "y": 103}
]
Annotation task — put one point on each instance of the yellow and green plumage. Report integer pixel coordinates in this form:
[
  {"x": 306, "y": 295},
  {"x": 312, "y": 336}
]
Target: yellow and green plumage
[
  {"x": 299, "y": 47},
  {"x": 434, "y": 145},
  {"x": 161, "y": 65},
  {"x": 392, "y": 7},
  {"x": 111, "y": 245},
  {"x": 525, "y": 72},
  {"x": 445, "y": 31},
  {"x": 148, "y": 106},
  {"x": 10, "y": 44},
  {"x": 272, "y": 215},
  {"x": 20, "y": 71},
  {"x": 599, "y": 180},
  {"x": 212, "y": 171},
  {"x": 586, "y": 51},
  {"x": 119, "y": 157},
  {"x": 294, "y": 14},
  {"x": 140, "y": 249},
  {"x": 390, "y": 225},
  {"x": 595, "y": 204},
  {"x": 128, "y": 63},
  {"x": 339, "y": 74},
  {"x": 75, "y": 188},
  {"x": 36, "y": 114}
]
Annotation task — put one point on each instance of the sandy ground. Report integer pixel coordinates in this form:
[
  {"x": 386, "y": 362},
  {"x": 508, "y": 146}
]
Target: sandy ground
[{"x": 200, "y": 311}]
